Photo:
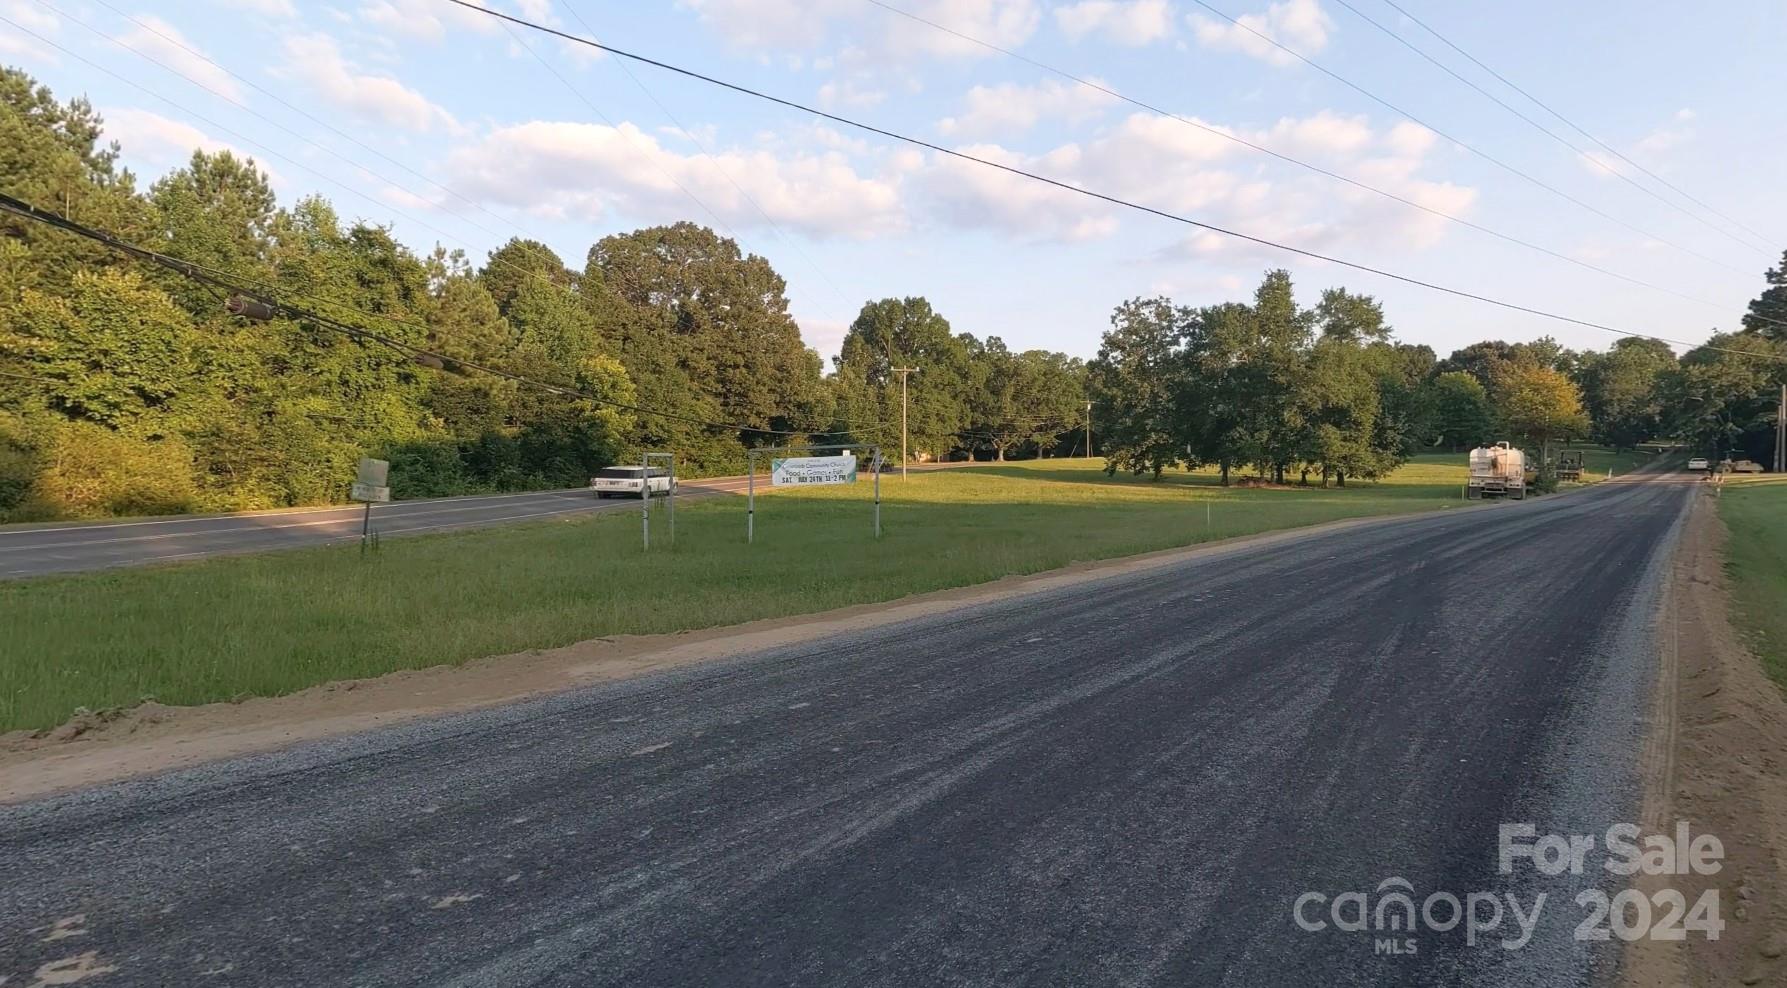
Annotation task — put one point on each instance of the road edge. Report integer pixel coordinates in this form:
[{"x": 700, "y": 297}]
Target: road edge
[
  {"x": 1715, "y": 754},
  {"x": 153, "y": 738}
]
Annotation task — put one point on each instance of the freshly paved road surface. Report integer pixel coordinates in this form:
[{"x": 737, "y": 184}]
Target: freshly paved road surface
[
  {"x": 1129, "y": 781},
  {"x": 34, "y": 550}
]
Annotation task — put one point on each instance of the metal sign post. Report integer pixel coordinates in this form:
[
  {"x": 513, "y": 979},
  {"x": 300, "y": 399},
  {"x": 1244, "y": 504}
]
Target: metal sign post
[
  {"x": 804, "y": 473},
  {"x": 645, "y": 495}
]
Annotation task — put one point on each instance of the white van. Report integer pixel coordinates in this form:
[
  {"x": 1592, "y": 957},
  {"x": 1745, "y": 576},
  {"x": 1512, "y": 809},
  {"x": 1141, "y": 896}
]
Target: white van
[{"x": 629, "y": 481}]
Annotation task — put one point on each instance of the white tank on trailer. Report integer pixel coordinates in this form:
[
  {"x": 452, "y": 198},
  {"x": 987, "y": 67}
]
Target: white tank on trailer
[{"x": 1497, "y": 471}]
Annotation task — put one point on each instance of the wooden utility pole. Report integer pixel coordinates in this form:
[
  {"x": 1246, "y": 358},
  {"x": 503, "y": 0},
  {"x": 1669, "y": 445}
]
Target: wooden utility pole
[
  {"x": 903, "y": 372},
  {"x": 1781, "y": 433}
]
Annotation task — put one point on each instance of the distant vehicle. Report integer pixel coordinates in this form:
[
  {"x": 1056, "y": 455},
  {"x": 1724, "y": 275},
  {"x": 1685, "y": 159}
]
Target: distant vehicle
[
  {"x": 1745, "y": 466},
  {"x": 629, "y": 481},
  {"x": 1569, "y": 465},
  {"x": 1698, "y": 463},
  {"x": 1497, "y": 471}
]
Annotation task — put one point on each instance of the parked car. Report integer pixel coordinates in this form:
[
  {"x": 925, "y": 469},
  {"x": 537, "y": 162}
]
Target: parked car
[
  {"x": 629, "y": 481},
  {"x": 1745, "y": 466},
  {"x": 1698, "y": 463}
]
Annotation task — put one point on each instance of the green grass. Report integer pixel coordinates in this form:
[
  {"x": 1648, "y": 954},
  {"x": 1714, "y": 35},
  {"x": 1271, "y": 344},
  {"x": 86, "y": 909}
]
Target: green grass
[
  {"x": 1754, "y": 508},
  {"x": 1597, "y": 460},
  {"x": 275, "y": 623}
]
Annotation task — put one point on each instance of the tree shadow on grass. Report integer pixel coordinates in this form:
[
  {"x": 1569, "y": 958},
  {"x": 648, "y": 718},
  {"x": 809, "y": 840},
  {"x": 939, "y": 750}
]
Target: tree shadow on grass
[{"x": 1080, "y": 475}]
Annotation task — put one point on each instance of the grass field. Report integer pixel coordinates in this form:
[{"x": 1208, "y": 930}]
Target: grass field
[
  {"x": 1597, "y": 460},
  {"x": 270, "y": 624},
  {"x": 1755, "y": 510}
]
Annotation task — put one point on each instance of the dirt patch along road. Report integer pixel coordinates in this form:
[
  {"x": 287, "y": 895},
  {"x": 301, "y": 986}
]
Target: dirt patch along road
[
  {"x": 1131, "y": 779},
  {"x": 1717, "y": 756}
]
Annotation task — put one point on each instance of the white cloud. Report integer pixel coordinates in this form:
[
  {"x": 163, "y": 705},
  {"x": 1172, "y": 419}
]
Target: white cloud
[
  {"x": 770, "y": 23},
  {"x": 163, "y": 42},
  {"x": 35, "y": 19},
  {"x": 973, "y": 196},
  {"x": 582, "y": 170},
  {"x": 1668, "y": 136},
  {"x": 1006, "y": 23},
  {"x": 425, "y": 20},
  {"x": 1601, "y": 164},
  {"x": 1324, "y": 134},
  {"x": 163, "y": 142},
  {"x": 267, "y": 8},
  {"x": 806, "y": 24},
  {"x": 1410, "y": 139},
  {"x": 1665, "y": 138},
  {"x": 1300, "y": 25},
  {"x": 1010, "y": 108},
  {"x": 1160, "y": 162},
  {"x": 850, "y": 91},
  {"x": 316, "y": 60},
  {"x": 1126, "y": 22},
  {"x": 824, "y": 335}
]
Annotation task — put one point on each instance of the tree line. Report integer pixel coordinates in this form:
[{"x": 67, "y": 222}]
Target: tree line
[
  {"x": 126, "y": 388},
  {"x": 1328, "y": 393}
]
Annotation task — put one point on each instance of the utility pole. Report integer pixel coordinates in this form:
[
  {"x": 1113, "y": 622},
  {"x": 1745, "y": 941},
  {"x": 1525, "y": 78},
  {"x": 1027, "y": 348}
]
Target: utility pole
[
  {"x": 903, "y": 372},
  {"x": 1781, "y": 433},
  {"x": 1088, "y": 430}
]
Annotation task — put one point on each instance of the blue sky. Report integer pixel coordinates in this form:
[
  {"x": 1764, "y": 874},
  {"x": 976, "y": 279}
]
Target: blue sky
[{"x": 500, "y": 133}]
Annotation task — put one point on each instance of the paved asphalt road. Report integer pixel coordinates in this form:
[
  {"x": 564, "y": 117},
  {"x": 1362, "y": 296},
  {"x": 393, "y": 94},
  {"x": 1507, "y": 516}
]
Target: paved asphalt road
[
  {"x": 1129, "y": 781},
  {"x": 37, "y": 550},
  {"x": 34, "y": 550}
]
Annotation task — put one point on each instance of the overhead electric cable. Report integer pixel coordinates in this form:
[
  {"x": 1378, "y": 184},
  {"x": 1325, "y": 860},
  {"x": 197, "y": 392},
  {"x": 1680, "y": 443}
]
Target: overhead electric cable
[
  {"x": 1610, "y": 149},
  {"x": 1068, "y": 186},
  {"x": 526, "y": 272},
  {"x": 1290, "y": 159},
  {"x": 1473, "y": 149},
  {"x": 719, "y": 167},
  {"x": 1547, "y": 131},
  {"x": 217, "y": 279}
]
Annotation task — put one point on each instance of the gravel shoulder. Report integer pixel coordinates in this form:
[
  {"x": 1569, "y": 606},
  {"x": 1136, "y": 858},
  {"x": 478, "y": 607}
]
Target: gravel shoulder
[{"x": 1716, "y": 756}]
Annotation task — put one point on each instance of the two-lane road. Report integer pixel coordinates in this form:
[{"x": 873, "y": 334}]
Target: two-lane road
[
  {"x": 38, "y": 550},
  {"x": 35, "y": 550},
  {"x": 1128, "y": 781}
]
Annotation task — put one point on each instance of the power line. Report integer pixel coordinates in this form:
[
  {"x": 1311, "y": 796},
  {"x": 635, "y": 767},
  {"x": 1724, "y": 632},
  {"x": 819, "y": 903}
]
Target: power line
[
  {"x": 1486, "y": 156},
  {"x": 282, "y": 101},
  {"x": 1548, "y": 132},
  {"x": 216, "y": 279},
  {"x": 1504, "y": 80},
  {"x": 720, "y": 168},
  {"x": 534, "y": 274},
  {"x": 1067, "y": 186},
  {"x": 1290, "y": 159}
]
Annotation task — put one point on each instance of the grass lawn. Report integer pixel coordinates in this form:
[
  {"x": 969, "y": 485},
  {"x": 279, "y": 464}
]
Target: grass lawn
[
  {"x": 275, "y": 623},
  {"x": 1755, "y": 510},
  {"x": 1597, "y": 460}
]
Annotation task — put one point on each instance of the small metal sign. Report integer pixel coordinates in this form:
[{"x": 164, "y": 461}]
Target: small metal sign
[
  {"x": 373, "y": 473},
  {"x": 369, "y": 493}
]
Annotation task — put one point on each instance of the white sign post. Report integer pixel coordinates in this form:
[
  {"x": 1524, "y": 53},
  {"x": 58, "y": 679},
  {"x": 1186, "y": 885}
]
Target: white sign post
[
  {"x": 800, "y": 471},
  {"x": 645, "y": 495}
]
